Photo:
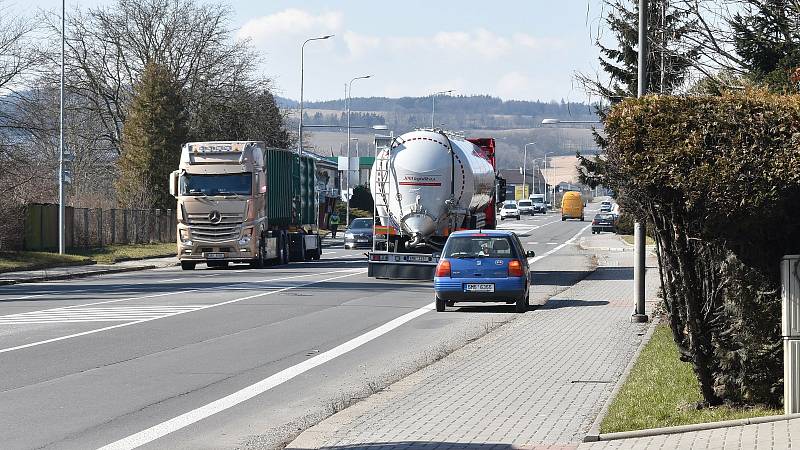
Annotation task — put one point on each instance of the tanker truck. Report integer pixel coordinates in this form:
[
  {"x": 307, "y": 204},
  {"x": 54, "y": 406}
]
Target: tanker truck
[
  {"x": 426, "y": 184},
  {"x": 241, "y": 201}
]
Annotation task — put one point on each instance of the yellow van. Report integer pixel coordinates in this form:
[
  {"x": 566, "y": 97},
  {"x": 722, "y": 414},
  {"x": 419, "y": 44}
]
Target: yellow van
[{"x": 572, "y": 206}]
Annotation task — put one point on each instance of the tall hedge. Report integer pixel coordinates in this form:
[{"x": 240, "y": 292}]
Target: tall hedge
[{"x": 718, "y": 178}]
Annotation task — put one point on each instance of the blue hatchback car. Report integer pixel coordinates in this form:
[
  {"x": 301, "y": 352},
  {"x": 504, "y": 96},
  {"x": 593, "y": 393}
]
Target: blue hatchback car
[{"x": 483, "y": 266}]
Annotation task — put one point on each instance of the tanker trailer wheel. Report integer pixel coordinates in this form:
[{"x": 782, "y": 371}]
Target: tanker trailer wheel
[{"x": 187, "y": 265}]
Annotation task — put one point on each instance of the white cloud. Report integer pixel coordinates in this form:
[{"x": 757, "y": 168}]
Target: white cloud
[
  {"x": 481, "y": 42},
  {"x": 359, "y": 45},
  {"x": 290, "y": 22},
  {"x": 513, "y": 85}
]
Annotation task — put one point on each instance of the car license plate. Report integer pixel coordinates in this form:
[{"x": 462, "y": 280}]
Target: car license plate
[
  {"x": 362, "y": 240},
  {"x": 413, "y": 258},
  {"x": 479, "y": 287},
  {"x": 215, "y": 255}
]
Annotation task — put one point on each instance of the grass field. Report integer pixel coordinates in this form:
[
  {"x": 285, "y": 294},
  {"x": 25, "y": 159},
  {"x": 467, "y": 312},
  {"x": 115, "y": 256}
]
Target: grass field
[
  {"x": 662, "y": 391},
  {"x": 629, "y": 239},
  {"x": 117, "y": 253},
  {"x": 16, "y": 261}
]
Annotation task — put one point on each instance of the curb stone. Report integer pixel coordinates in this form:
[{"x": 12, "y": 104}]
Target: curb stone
[
  {"x": 693, "y": 427},
  {"x": 90, "y": 273},
  {"x": 593, "y": 434}
]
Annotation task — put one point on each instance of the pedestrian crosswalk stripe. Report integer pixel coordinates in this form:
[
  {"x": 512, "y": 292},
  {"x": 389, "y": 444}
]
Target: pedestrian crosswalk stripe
[{"x": 97, "y": 314}]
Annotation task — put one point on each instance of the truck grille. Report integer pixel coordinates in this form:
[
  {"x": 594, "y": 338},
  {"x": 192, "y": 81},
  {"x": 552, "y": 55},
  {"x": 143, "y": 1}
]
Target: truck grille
[{"x": 227, "y": 229}]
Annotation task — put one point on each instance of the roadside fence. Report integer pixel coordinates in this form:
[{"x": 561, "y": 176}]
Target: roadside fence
[{"x": 95, "y": 227}]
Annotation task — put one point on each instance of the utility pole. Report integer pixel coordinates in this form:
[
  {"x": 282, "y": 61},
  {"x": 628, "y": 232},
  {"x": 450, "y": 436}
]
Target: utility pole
[
  {"x": 638, "y": 228},
  {"x": 61, "y": 196}
]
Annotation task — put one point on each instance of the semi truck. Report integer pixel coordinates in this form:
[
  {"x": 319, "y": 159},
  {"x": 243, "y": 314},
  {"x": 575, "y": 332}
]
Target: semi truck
[
  {"x": 243, "y": 202},
  {"x": 427, "y": 184}
]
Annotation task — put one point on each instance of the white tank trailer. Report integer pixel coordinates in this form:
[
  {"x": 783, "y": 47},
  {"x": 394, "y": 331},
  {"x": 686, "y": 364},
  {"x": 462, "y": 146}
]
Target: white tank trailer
[{"x": 429, "y": 183}]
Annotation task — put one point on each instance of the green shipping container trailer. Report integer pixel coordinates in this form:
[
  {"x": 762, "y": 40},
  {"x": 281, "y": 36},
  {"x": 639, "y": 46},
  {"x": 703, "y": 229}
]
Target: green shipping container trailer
[{"x": 291, "y": 197}]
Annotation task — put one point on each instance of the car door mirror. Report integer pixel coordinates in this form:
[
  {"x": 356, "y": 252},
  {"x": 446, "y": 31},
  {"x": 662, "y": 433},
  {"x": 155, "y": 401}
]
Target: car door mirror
[{"x": 530, "y": 253}]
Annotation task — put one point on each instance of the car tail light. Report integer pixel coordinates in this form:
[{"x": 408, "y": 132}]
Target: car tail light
[
  {"x": 515, "y": 268},
  {"x": 594, "y": 222},
  {"x": 443, "y": 268}
]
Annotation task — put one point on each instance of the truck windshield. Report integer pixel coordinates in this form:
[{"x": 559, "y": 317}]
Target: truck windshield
[{"x": 223, "y": 184}]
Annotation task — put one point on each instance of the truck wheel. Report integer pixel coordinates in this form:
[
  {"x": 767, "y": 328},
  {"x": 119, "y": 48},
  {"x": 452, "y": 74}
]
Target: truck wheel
[
  {"x": 284, "y": 242},
  {"x": 259, "y": 262},
  {"x": 186, "y": 265},
  {"x": 563, "y": 218},
  {"x": 581, "y": 218},
  {"x": 440, "y": 306},
  {"x": 519, "y": 217}
]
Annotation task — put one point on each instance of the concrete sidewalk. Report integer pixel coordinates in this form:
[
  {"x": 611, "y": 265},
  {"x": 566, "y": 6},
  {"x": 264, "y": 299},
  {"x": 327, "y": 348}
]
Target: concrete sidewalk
[
  {"x": 538, "y": 382},
  {"x": 777, "y": 435},
  {"x": 62, "y": 273}
]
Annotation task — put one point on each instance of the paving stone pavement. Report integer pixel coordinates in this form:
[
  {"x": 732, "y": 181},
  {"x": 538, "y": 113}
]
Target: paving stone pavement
[
  {"x": 783, "y": 434},
  {"x": 535, "y": 383}
]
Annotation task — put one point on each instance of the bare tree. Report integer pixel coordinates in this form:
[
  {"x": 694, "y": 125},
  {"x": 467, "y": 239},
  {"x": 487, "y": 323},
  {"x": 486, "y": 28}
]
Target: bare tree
[{"x": 109, "y": 46}]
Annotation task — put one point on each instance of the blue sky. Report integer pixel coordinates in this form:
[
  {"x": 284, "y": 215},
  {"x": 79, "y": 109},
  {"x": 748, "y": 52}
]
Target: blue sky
[{"x": 512, "y": 49}]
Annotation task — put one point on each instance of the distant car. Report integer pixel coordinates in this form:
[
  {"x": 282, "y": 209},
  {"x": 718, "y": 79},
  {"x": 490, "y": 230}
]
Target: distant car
[
  {"x": 603, "y": 222},
  {"x": 526, "y": 207},
  {"x": 605, "y": 206},
  {"x": 509, "y": 210},
  {"x": 483, "y": 266},
  {"x": 359, "y": 233}
]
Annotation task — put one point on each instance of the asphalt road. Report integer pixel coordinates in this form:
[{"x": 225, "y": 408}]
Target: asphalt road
[{"x": 226, "y": 358}]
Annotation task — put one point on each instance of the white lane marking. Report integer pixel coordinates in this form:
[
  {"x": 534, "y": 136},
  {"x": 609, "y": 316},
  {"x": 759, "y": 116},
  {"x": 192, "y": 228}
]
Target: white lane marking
[
  {"x": 552, "y": 243},
  {"x": 555, "y": 249},
  {"x": 242, "y": 395},
  {"x": 213, "y": 305},
  {"x": 532, "y": 243},
  {"x": 25, "y": 297},
  {"x": 101, "y": 314},
  {"x": 171, "y": 279},
  {"x": 186, "y": 291}
]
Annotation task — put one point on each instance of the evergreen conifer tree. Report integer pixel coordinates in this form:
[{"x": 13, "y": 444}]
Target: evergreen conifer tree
[{"x": 152, "y": 137}]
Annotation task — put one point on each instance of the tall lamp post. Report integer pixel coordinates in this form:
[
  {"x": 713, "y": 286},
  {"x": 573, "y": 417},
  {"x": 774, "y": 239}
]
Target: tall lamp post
[
  {"x": 349, "y": 92},
  {"x": 61, "y": 240},
  {"x": 433, "y": 109},
  {"x": 524, "y": 166},
  {"x": 638, "y": 229},
  {"x": 302, "y": 55}
]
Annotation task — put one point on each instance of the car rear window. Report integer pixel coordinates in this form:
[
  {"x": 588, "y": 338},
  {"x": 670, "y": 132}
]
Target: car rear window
[
  {"x": 479, "y": 247},
  {"x": 509, "y": 206},
  {"x": 604, "y": 216},
  {"x": 524, "y": 203}
]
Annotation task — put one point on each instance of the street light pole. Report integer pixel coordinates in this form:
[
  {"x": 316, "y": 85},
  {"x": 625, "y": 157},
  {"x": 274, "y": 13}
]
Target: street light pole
[
  {"x": 349, "y": 92},
  {"x": 61, "y": 196},
  {"x": 433, "y": 110},
  {"x": 302, "y": 55},
  {"x": 638, "y": 228},
  {"x": 524, "y": 166}
]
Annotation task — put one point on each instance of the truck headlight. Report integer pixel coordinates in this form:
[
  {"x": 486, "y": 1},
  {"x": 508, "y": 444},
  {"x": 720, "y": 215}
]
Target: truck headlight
[
  {"x": 246, "y": 236},
  {"x": 184, "y": 233}
]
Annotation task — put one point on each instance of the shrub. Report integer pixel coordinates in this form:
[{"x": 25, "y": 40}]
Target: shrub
[{"x": 717, "y": 179}]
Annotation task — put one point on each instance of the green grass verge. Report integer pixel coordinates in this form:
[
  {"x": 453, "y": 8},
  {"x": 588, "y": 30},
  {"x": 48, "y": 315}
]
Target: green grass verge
[
  {"x": 661, "y": 391},
  {"x": 117, "y": 253},
  {"x": 629, "y": 239},
  {"x": 15, "y": 261}
]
